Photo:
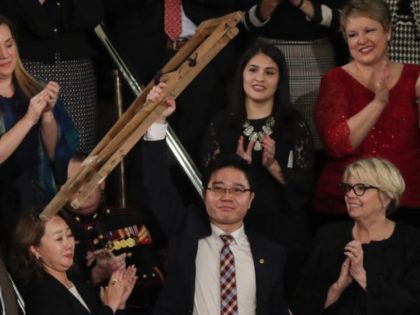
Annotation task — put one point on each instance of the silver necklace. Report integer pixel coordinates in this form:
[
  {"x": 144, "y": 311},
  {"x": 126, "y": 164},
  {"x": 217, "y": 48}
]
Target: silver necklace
[{"x": 257, "y": 135}]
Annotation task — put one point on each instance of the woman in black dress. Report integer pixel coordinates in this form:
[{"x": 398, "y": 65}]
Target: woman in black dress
[{"x": 262, "y": 128}]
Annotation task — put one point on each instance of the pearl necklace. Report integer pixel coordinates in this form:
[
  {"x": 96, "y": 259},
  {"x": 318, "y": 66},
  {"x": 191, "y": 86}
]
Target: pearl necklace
[{"x": 257, "y": 136}]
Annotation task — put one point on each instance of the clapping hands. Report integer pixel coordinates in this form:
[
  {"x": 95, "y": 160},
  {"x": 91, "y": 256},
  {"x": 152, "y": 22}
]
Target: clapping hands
[
  {"x": 43, "y": 102},
  {"x": 381, "y": 82},
  {"x": 119, "y": 288},
  {"x": 352, "y": 267},
  {"x": 354, "y": 252},
  {"x": 245, "y": 153},
  {"x": 106, "y": 264}
]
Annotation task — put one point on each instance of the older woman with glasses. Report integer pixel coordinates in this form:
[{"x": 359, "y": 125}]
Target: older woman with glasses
[{"x": 370, "y": 265}]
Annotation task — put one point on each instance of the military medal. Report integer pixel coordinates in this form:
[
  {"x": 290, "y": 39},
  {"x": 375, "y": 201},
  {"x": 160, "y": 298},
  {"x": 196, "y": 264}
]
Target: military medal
[{"x": 131, "y": 242}]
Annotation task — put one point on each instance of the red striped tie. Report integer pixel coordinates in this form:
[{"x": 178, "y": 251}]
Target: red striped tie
[
  {"x": 173, "y": 18},
  {"x": 228, "y": 291}
]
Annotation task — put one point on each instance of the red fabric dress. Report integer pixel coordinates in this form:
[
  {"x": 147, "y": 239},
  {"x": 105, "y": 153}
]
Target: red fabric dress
[{"x": 395, "y": 136}]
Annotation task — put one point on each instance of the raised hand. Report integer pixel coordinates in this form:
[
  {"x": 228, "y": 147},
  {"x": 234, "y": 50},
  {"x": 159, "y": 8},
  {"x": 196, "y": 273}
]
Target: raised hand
[
  {"x": 129, "y": 279},
  {"x": 267, "y": 7},
  {"x": 269, "y": 150},
  {"x": 52, "y": 89},
  {"x": 343, "y": 281},
  {"x": 156, "y": 95},
  {"x": 106, "y": 264},
  {"x": 112, "y": 294},
  {"x": 246, "y": 154},
  {"x": 381, "y": 82},
  {"x": 37, "y": 106},
  {"x": 354, "y": 252}
]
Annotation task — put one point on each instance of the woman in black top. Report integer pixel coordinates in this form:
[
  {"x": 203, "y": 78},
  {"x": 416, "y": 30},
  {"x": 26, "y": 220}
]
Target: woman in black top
[
  {"x": 42, "y": 256},
  {"x": 307, "y": 32},
  {"x": 262, "y": 128},
  {"x": 368, "y": 266}
]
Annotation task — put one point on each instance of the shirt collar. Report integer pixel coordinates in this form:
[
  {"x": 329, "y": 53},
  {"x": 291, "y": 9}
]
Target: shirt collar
[{"x": 238, "y": 235}]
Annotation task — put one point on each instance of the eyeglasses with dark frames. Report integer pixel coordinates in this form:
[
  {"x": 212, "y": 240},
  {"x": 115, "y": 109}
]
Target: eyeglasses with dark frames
[
  {"x": 359, "y": 189},
  {"x": 221, "y": 190}
]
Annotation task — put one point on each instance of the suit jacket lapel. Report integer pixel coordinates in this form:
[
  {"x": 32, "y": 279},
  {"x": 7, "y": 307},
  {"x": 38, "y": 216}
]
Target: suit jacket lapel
[
  {"x": 197, "y": 228},
  {"x": 262, "y": 272}
]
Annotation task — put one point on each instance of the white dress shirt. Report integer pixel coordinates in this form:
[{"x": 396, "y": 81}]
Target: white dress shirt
[
  {"x": 207, "y": 262},
  {"x": 207, "y": 275},
  {"x": 188, "y": 26}
]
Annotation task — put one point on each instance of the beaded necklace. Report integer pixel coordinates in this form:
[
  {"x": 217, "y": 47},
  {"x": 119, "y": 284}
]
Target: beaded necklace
[{"x": 257, "y": 135}]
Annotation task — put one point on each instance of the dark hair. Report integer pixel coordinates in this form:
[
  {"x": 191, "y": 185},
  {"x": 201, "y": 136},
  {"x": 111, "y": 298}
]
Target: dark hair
[
  {"x": 282, "y": 108},
  {"x": 229, "y": 160},
  {"x": 28, "y": 232}
]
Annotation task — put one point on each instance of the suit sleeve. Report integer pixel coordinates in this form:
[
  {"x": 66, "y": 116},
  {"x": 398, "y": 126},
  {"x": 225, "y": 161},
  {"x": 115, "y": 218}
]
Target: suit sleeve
[
  {"x": 165, "y": 201},
  {"x": 278, "y": 305}
]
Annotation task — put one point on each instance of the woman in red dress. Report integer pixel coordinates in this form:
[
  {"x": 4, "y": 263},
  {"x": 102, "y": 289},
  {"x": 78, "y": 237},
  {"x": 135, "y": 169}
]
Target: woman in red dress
[{"x": 368, "y": 108}]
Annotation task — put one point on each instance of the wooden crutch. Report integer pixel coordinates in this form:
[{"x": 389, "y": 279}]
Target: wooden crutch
[{"x": 211, "y": 36}]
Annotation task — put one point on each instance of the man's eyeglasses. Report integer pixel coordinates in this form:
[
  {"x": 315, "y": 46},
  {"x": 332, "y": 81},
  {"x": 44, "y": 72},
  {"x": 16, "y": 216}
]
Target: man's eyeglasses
[
  {"x": 358, "y": 189},
  {"x": 221, "y": 190}
]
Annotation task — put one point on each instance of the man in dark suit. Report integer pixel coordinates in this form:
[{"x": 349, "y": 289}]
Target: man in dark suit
[
  {"x": 137, "y": 29},
  {"x": 194, "y": 280}
]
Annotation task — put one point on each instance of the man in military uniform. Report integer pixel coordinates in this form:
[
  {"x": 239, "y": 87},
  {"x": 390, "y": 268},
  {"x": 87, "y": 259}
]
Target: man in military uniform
[{"x": 109, "y": 238}]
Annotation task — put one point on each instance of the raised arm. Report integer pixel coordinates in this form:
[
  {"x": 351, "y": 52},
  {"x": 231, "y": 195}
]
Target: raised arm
[
  {"x": 342, "y": 130},
  {"x": 49, "y": 129},
  {"x": 165, "y": 201},
  {"x": 362, "y": 123}
]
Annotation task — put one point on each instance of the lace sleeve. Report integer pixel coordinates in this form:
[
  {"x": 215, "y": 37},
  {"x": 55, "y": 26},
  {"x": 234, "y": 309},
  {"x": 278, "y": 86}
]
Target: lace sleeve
[
  {"x": 298, "y": 171},
  {"x": 210, "y": 147},
  {"x": 331, "y": 114}
]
